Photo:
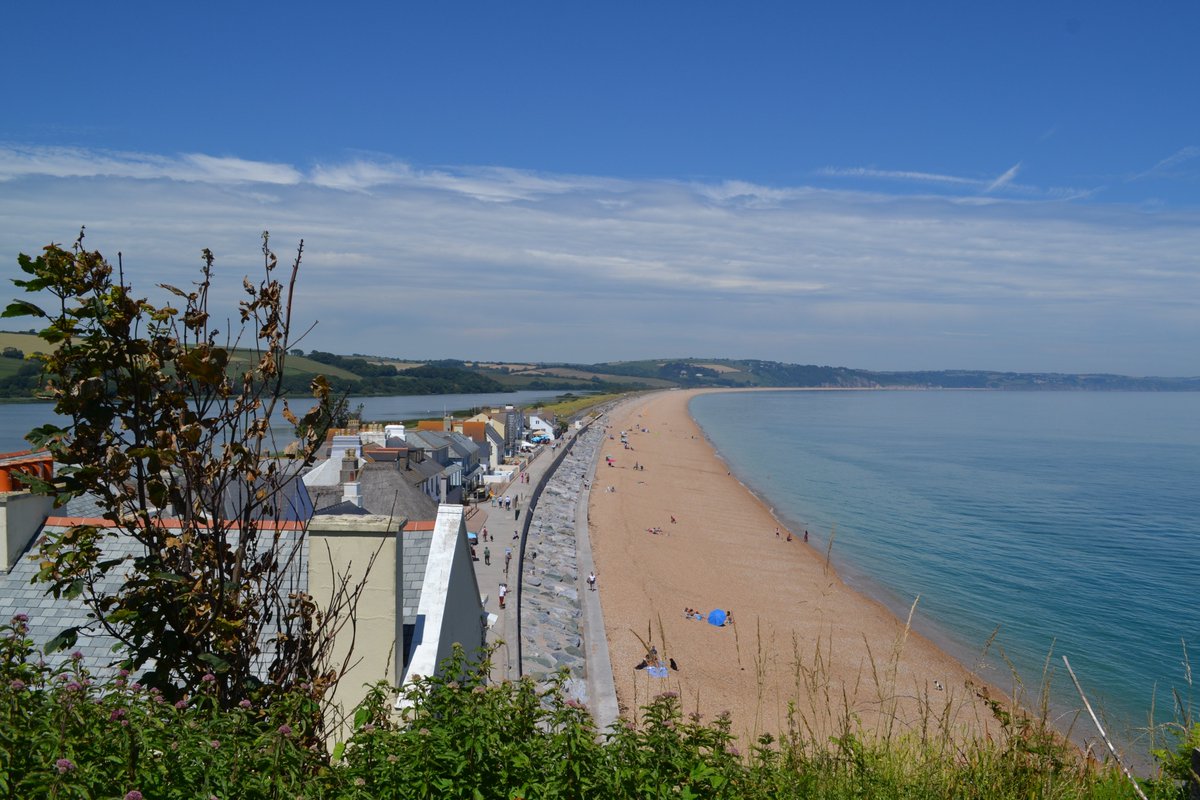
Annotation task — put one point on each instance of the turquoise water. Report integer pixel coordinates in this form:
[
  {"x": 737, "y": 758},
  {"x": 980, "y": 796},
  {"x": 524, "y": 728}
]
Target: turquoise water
[{"x": 1069, "y": 521}]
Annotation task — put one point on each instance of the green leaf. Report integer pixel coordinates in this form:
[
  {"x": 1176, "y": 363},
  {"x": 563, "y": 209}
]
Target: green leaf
[
  {"x": 64, "y": 640},
  {"x": 39, "y": 437},
  {"x": 170, "y": 577},
  {"x": 22, "y": 308},
  {"x": 215, "y": 661},
  {"x": 361, "y": 716}
]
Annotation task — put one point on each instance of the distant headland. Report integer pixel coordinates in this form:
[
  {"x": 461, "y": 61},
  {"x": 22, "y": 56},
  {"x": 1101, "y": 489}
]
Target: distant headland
[{"x": 367, "y": 375}]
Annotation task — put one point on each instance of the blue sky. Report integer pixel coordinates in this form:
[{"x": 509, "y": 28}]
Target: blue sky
[{"x": 882, "y": 187}]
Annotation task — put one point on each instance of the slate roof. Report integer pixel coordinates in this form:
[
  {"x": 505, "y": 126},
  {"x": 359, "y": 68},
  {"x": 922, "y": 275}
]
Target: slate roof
[
  {"x": 417, "y": 543},
  {"x": 412, "y": 570},
  {"x": 430, "y": 441},
  {"x": 418, "y": 471},
  {"x": 294, "y": 502},
  {"x": 384, "y": 489},
  {"x": 343, "y": 508},
  {"x": 50, "y": 616}
]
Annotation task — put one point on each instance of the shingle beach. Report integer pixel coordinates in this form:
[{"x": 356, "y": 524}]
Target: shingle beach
[{"x": 801, "y": 638}]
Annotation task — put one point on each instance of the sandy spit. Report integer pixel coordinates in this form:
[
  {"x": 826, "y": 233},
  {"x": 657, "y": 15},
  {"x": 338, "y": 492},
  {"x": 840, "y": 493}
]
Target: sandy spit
[{"x": 803, "y": 644}]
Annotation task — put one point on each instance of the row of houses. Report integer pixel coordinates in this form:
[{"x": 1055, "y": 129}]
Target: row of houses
[
  {"x": 383, "y": 493},
  {"x": 448, "y": 460}
]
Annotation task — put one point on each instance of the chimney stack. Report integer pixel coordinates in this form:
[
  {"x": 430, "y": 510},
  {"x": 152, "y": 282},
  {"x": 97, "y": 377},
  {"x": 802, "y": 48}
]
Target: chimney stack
[
  {"x": 349, "y": 468},
  {"x": 351, "y": 489}
]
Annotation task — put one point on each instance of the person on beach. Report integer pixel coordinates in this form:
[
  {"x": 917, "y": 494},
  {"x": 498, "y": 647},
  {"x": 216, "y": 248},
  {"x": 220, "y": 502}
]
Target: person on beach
[
  {"x": 806, "y": 535},
  {"x": 777, "y": 533},
  {"x": 789, "y": 536}
]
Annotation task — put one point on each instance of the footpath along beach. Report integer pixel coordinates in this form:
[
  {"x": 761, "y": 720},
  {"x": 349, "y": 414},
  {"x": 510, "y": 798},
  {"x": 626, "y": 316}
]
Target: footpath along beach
[{"x": 801, "y": 638}]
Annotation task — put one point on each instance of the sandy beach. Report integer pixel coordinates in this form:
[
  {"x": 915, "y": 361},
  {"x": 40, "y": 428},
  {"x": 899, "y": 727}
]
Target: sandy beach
[{"x": 801, "y": 638}]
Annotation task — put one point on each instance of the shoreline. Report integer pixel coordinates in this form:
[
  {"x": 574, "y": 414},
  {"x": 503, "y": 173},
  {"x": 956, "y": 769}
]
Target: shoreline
[
  {"x": 858, "y": 580},
  {"x": 807, "y": 653}
]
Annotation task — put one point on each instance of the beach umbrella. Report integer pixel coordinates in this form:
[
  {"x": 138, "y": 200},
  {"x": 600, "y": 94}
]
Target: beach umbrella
[{"x": 716, "y": 617}]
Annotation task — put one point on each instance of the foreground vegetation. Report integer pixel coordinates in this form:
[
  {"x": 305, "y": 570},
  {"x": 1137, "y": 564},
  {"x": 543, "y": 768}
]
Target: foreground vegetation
[{"x": 64, "y": 734}]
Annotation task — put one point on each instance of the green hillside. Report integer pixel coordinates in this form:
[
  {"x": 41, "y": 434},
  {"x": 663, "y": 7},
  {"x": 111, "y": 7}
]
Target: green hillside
[
  {"x": 367, "y": 375},
  {"x": 26, "y": 342}
]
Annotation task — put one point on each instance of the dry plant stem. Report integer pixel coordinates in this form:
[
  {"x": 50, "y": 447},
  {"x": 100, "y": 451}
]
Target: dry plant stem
[
  {"x": 829, "y": 548},
  {"x": 1100, "y": 728}
]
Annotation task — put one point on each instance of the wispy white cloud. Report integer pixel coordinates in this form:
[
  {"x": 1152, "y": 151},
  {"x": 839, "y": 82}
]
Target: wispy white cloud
[
  {"x": 68, "y": 162},
  {"x": 900, "y": 175},
  {"x": 1167, "y": 164},
  {"x": 969, "y": 189},
  {"x": 406, "y": 260},
  {"x": 1005, "y": 179}
]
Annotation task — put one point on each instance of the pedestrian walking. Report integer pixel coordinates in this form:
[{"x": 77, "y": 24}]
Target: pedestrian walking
[
  {"x": 502, "y": 593},
  {"x": 487, "y": 556},
  {"x": 592, "y": 581}
]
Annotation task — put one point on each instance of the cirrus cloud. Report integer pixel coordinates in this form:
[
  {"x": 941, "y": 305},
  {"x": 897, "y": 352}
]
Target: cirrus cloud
[{"x": 418, "y": 261}]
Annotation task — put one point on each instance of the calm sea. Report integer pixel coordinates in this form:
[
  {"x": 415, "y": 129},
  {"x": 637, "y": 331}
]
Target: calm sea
[
  {"x": 1070, "y": 522},
  {"x": 17, "y": 419}
]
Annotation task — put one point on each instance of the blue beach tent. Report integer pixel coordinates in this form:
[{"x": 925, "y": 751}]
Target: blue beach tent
[{"x": 716, "y": 617}]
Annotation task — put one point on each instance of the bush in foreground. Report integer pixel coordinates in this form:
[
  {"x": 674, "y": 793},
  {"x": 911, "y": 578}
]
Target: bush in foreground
[{"x": 64, "y": 735}]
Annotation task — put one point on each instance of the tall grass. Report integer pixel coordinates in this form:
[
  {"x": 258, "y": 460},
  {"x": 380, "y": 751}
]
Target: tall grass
[{"x": 61, "y": 735}]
